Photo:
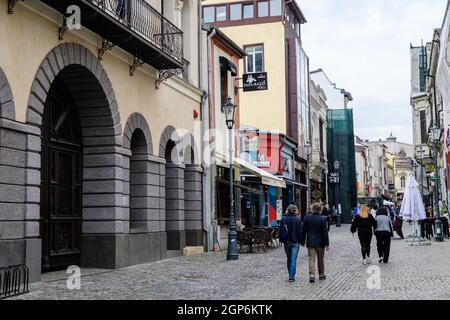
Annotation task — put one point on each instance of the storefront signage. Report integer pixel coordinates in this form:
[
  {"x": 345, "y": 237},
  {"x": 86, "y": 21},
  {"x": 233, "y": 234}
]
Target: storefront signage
[
  {"x": 287, "y": 166},
  {"x": 334, "y": 178},
  {"x": 261, "y": 162},
  {"x": 255, "y": 81}
]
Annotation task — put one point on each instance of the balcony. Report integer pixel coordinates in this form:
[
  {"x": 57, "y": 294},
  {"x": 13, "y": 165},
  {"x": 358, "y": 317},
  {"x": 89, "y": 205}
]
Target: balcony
[{"x": 132, "y": 25}]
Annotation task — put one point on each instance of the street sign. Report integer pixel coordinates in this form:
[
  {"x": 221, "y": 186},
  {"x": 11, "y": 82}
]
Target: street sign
[{"x": 255, "y": 81}]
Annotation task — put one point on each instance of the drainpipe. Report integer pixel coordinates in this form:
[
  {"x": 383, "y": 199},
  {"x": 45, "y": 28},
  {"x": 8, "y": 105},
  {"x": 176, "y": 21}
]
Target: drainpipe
[
  {"x": 209, "y": 212},
  {"x": 204, "y": 118}
]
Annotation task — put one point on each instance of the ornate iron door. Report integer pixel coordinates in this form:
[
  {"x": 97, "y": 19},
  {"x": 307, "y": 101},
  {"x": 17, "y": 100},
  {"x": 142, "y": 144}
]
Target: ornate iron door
[{"x": 61, "y": 180}]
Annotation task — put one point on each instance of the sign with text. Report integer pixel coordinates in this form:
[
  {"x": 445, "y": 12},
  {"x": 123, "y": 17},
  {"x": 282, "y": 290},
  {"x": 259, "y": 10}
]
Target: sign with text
[
  {"x": 255, "y": 81},
  {"x": 334, "y": 178}
]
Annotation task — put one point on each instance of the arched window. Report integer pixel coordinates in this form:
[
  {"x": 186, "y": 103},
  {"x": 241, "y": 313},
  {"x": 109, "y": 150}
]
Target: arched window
[{"x": 402, "y": 182}]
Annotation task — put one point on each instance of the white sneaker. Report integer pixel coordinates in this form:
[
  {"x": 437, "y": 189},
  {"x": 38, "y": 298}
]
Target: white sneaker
[
  {"x": 368, "y": 261},
  {"x": 364, "y": 262}
]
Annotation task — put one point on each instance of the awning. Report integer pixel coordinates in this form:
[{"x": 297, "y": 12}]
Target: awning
[
  {"x": 298, "y": 184},
  {"x": 228, "y": 65},
  {"x": 267, "y": 178}
]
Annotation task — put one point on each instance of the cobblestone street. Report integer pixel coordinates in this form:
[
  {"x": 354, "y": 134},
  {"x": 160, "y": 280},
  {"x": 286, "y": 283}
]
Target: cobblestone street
[{"x": 412, "y": 273}]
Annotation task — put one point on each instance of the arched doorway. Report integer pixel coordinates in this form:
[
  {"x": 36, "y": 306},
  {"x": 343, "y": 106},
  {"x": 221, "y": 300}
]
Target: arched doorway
[
  {"x": 61, "y": 179},
  {"x": 73, "y": 103}
]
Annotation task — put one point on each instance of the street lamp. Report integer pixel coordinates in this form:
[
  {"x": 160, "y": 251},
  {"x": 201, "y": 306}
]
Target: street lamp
[
  {"x": 308, "y": 149},
  {"x": 421, "y": 155},
  {"x": 337, "y": 166},
  {"x": 436, "y": 138},
  {"x": 415, "y": 166},
  {"x": 230, "y": 109}
]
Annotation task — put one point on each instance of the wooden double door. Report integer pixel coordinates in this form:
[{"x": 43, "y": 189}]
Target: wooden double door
[{"x": 61, "y": 180}]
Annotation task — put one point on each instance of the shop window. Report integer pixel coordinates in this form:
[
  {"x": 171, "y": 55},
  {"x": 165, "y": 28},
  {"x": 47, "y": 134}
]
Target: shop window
[
  {"x": 236, "y": 11},
  {"x": 255, "y": 58},
  {"x": 209, "y": 14},
  {"x": 221, "y": 13},
  {"x": 263, "y": 9},
  {"x": 248, "y": 11}
]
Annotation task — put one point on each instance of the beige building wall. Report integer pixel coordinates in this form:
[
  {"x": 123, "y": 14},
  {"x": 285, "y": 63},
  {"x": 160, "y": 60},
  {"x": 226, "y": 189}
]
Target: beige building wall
[
  {"x": 31, "y": 36},
  {"x": 263, "y": 109}
]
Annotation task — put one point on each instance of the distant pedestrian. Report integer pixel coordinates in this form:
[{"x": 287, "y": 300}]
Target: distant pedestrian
[
  {"x": 373, "y": 210},
  {"x": 384, "y": 232},
  {"x": 327, "y": 215},
  {"x": 365, "y": 224},
  {"x": 355, "y": 211},
  {"x": 334, "y": 215},
  {"x": 290, "y": 235},
  {"x": 315, "y": 237}
]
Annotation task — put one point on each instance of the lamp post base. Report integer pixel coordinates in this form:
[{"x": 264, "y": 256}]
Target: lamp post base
[
  {"x": 232, "y": 253},
  {"x": 438, "y": 228},
  {"x": 338, "y": 221}
]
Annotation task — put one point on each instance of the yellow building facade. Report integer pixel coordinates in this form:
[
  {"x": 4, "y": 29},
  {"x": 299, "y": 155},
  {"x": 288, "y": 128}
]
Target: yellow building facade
[{"x": 99, "y": 149}]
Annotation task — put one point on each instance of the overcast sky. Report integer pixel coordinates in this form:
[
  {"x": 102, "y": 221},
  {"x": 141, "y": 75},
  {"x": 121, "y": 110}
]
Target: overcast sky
[{"x": 363, "y": 46}]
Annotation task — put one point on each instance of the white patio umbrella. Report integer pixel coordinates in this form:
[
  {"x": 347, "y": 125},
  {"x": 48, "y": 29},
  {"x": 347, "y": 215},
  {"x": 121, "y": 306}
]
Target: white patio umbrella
[{"x": 412, "y": 208}]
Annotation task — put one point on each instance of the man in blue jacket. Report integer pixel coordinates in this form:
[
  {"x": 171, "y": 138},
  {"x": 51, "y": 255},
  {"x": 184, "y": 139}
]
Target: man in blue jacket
[
  {"x": 292, "y": 224},
  {"x": 315, "y": 237}
]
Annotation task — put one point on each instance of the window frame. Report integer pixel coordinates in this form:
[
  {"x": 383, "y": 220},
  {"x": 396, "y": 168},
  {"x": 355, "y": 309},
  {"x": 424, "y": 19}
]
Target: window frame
[
  {"x": 267, "y": 2},
  {"x": 423, "y": 126},
  {"x": 240, "y": 4},
  {"x": 245, "y": 47},
  {"x": 216, "y": 7},
  {"x": 253, "y": 11},
  {"x": 203, "y": 12}
]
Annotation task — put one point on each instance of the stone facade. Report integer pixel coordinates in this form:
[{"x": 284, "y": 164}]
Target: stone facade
[{"x": 126, "y": 184}]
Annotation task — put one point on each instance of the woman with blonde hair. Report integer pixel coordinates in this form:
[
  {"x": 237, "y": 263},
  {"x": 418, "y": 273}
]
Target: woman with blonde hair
[{"x": 365, "y": 224}]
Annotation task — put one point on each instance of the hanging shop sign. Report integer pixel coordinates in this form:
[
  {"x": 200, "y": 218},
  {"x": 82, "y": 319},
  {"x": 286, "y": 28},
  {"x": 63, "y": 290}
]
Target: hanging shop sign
[
  {"x": 255, "y": 81},
  {"x": 430, "y": 168}
]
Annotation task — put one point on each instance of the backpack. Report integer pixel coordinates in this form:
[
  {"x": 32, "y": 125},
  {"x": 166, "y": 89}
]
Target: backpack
[{"x": 284, "y": 234}]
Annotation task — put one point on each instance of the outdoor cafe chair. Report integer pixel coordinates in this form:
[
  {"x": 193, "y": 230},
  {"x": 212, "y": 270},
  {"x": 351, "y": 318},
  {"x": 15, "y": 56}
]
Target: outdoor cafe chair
[
  {"x": 259, "y": 239},
  {"x": 245, "y": 238},
  {"x": 269, "y": 237}
]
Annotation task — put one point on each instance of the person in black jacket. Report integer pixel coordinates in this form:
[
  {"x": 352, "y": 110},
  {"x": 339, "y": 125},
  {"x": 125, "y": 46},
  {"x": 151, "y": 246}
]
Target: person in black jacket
[
  {"x": 365, "y": 224},
  {"x": 315, "y": 236},
  {"x": 292, "y": 222}
]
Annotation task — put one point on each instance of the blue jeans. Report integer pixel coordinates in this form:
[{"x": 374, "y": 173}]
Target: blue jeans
[{"x": 291, "y": 250}]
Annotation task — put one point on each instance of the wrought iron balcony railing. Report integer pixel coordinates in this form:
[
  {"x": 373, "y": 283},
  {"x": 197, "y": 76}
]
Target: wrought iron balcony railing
[{"x": 133, "y": 25}]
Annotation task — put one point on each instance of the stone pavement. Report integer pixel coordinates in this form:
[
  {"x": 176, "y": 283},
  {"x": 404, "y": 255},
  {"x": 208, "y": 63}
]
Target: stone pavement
[{"x": 412, "y": 273}]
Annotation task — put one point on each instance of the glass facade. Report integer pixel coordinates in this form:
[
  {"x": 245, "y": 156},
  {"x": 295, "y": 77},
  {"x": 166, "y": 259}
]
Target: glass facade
[{"x": 302, "y": 94}]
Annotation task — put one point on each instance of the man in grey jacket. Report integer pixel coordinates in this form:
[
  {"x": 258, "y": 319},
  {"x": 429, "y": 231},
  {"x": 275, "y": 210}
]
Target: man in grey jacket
[{"x": 384, "y": 232}]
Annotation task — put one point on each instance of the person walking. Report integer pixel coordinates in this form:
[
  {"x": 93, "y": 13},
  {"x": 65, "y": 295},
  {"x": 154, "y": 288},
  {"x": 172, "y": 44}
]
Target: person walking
[
  {"x": 364, "y": 223},
  {"x": 315, "y": 237},
  {"x": 397, "y": 224},
  {"x": 355, "y": 211},
  {"x": 290, "y": 235},
  {"x": 334, "y": 215},
  {"x": 327, "y": 215},
  {"x": 384, "y": 232},
  {"x": 373, "y": 210}
]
